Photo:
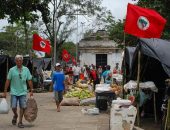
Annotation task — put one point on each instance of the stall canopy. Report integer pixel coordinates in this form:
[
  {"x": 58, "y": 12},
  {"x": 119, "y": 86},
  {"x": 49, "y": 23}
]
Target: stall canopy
[
  {"x": 3, "y": 70},
  {"x": 7, "y": 62},
  {"x": 129, "y": 52},
  {"x": 158, "y": 49},
  {"x": 155, "y": 51},
  {"x": 155, "y": 63}
]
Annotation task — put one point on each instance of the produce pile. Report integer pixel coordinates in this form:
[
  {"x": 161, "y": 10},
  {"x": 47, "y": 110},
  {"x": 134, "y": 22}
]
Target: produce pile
[
  {"x": 82, "y": 84},
  {"x": 116, "y": 88},
  {"x": 81, "y": 93}
]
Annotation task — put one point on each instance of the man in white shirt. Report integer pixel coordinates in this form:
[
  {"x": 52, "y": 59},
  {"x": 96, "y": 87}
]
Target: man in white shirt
[{"x": 76, "y": 73}]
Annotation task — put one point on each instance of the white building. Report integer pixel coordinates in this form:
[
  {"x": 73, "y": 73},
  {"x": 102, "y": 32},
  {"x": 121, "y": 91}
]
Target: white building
[{"x": 97, "y": 49}]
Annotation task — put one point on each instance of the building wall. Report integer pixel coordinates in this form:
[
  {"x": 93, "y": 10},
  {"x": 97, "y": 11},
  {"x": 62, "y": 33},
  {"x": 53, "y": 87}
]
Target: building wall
[
  {"x": 113, "y": 58},
  {"x": 116, "y": 58},
  {"x": 88, "y": 58}
]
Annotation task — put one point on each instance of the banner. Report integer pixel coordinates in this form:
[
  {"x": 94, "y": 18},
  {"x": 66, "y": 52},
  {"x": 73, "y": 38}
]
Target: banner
[
  {"x": 65, "y": 55},
  {"x": 73, "y": 60},
  {"x": 143, "y": 22},
  {"x": 40, "y": 44}
]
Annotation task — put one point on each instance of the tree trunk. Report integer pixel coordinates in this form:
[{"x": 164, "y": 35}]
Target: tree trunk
[{"x": 26, "y": 35}]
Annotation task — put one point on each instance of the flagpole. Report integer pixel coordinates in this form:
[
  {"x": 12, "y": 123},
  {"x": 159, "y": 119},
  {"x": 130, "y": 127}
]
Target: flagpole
[
  {"x": 55, "y": 33},
  {"x": 124, "y": 64},
  {"x": 77, "y": 38},
  {"x": 138, "y": 88}
]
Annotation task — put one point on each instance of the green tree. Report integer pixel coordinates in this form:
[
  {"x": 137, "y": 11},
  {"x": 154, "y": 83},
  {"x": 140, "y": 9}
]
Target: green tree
[
  {"x": 162, "y": 7},
  {"x": 66, "y": 17},
  {"x": 12, "y": 39},
  {"x": 70, "y": 47},
  {"x": 115, "y": 29},
  {"x": 22, "y": 11},
  {"x": 64, "y": 12}
]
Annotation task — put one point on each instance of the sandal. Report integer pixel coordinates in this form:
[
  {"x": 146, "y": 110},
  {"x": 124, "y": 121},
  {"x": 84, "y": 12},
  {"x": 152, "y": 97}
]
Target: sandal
[
  {"x": 20, "y": 125},
  {"x": 14, "y": 120}
]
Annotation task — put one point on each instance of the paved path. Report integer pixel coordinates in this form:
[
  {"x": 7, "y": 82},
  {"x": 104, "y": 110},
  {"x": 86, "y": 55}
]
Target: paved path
[{"x": 70, "y": 117}]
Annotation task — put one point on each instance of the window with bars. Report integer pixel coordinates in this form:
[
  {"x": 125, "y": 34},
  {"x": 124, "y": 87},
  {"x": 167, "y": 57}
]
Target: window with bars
[{"x": 101, "y": 59}]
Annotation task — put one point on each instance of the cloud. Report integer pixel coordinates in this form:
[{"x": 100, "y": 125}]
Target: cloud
[{"x": 117, "y": 7}]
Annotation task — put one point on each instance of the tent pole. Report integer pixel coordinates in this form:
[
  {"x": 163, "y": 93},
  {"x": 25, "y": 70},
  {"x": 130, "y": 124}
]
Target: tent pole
[
  {"x": 154, "y": 98},
  {"x": 167, "y": 116},
  {"x": 7, "y": 67},
  {"x": 138, "y": 89},
  {"x": 124, "y": 65}
]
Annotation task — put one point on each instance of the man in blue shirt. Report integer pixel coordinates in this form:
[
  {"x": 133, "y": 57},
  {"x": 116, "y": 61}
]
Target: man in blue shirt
[{"x": 58, "y": 85}]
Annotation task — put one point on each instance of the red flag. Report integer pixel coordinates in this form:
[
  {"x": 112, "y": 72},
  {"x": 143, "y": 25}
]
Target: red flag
[
  {"x": 65, "y": 55},
  {"x": 40, "y": 44},
  {"x": 143, "y": 22},
  {"x": 73, "y": 60}
]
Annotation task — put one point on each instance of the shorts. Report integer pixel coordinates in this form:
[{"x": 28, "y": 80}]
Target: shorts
[
  {"x": 58, "y": 95},
  {"x": 18, "y": 99}
]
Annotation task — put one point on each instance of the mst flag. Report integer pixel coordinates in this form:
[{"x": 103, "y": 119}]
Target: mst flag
[
  {"x": 143, "y": 22},
  {"x": 65, "y": 55},
  {"x": 40, "y": 44},
  {"x": 73, "y": 60}
]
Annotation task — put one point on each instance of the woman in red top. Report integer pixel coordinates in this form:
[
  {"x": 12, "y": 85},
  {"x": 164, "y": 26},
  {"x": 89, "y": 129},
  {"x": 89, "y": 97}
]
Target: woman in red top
[{"x": 94, "y": 77}]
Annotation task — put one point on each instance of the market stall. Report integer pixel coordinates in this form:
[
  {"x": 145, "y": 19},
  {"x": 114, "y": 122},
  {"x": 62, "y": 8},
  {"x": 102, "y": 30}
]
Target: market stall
[
  {"x": 105, "y": 93},
  {"x": 149, "y": 61},
  {"x": 147, "y": 92},
  {"x": 104, "y": 96},
  {"x": 123, "y": 115}
]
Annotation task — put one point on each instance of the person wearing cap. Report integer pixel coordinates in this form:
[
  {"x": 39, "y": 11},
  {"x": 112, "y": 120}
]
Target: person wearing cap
[
  {"x": 58, "y": 79},
  {"x": 17, "y": 79}
]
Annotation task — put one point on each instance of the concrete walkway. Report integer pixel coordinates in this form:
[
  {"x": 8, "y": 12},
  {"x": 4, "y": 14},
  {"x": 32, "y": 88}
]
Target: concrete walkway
[{"x": 70, "y": 117}]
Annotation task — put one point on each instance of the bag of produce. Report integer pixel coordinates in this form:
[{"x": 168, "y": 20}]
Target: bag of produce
[
  {"x": 4, "y": 107},
  {"x": 31, "y": 111}
]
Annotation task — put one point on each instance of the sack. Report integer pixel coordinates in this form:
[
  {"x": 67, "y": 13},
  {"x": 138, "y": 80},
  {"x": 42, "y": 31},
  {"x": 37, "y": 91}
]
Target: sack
[
  {"x": 88, "y": 101},
  {"x": 70, "y": 102},
  {"x": 31, "y": 111},
  {"x": 4, "y": 107}
]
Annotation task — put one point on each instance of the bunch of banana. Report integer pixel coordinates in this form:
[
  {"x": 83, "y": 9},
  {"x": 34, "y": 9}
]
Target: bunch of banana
[
  {"x": 81, "y": 85},
  {"x": 80, "y": 93}
]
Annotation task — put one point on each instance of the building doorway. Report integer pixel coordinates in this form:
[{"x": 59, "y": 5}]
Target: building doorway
[{"x": 101, "y": 59}]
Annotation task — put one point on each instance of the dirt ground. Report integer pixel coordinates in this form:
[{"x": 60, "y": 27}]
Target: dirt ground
[{"x": 70, "y": 118}]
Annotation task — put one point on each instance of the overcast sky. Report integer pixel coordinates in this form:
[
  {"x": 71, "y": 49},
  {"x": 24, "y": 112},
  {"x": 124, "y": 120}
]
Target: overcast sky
[{"x": 117, "y": 7}]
